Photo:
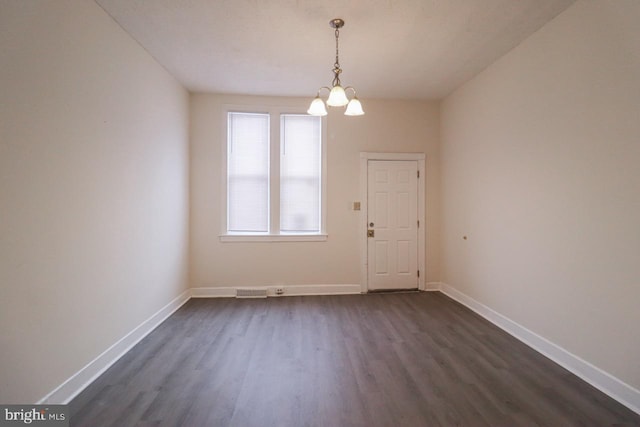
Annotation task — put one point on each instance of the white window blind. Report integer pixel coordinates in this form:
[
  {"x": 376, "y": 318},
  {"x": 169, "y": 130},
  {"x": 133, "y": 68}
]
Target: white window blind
[
  {"x": 248, "y": 172},
  {"x": 300, "y": 173}
]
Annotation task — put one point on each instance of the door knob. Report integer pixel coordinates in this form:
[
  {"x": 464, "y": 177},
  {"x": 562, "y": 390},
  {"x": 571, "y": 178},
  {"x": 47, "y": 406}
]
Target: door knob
[
  {"x": 371, "y": 233},
  {"x": 370, "y": 224}
]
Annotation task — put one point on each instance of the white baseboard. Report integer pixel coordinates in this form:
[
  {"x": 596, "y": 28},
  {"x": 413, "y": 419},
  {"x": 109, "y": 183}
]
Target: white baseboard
[
  {"x": 289, "y": 290},
  {"x": 432, "y": 286},
  {"x": 603, "y": 381},
  {"x": 69, "y": 389}
]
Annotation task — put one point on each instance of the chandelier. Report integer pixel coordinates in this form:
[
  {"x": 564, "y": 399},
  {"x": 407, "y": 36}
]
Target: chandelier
[{"x": 337, "y": 94}]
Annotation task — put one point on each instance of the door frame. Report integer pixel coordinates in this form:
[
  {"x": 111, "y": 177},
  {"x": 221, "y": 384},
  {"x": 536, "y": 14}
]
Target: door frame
[{"x": 364, "y": 206}]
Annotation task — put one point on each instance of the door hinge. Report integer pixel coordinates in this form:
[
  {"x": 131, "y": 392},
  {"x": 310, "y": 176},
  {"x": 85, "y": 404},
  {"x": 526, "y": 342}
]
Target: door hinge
[
  {"x": 418, "y": 174},
  {"x": 418, "y": 223},
  {"x": 418, "y": 273}
]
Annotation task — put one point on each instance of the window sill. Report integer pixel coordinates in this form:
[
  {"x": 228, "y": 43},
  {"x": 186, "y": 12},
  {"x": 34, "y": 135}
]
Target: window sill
[{"x": 273, "y": 238}]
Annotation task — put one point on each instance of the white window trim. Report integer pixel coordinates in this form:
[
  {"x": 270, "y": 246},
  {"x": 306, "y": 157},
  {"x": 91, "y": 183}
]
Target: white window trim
[{"x": 274, "y": 179}]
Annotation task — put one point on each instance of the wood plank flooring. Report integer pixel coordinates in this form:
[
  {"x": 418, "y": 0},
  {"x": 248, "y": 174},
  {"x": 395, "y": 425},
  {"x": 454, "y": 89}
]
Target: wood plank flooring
[{"x": 413, "y": 359}]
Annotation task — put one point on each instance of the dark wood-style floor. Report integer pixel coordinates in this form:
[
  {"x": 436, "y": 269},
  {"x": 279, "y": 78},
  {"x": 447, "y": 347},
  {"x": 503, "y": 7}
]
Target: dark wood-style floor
[{"x": 414, "y": 359}]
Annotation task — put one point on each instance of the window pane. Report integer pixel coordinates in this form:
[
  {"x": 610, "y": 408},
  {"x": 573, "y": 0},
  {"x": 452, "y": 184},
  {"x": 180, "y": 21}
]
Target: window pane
[
  {"x": 248, "y": 172},
  {"x": 300, "y": 169}
]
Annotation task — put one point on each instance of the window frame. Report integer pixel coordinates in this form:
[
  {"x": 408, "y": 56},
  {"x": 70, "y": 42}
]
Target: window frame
[{"x": 275, "y": 146}]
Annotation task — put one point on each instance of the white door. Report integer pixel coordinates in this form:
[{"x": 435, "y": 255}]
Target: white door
[{"x": 392, "y": 224}]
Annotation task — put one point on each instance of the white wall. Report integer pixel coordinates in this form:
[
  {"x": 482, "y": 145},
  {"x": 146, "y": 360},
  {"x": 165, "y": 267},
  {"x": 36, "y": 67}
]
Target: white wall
[
  {"x": 93, "y": 190},
  {"x": 388, "y": 126},
  {"x": 540, "y": 169}
]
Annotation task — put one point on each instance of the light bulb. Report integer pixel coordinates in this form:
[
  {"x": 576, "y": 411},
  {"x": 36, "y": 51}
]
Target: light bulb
[
  {"x": 317, "y": 107},
  {"x": 354, "y": 108},
  {"x": 337, "y": 97}
]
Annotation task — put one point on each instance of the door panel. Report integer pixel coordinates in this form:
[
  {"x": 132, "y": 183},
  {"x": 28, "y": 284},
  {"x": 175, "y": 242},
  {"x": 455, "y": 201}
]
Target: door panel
[
  {"x": 382, "y": 255},
  {"x": 403, "y": 255},
  {"x": 381, "y": 211},
  {"x": 392, "y": 252},
  {"x": 403, "y": 211}
]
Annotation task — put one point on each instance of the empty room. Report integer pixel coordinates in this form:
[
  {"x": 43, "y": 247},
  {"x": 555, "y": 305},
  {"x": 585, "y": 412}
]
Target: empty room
[{"x": 304, "y": 213}]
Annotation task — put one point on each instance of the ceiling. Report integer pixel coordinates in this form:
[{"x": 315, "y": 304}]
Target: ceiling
[{"x": 409, "y": 49}]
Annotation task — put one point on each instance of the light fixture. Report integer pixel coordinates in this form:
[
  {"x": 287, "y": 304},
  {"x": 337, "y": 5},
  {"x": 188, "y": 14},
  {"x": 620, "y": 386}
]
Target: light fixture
[{"x": 337, "y": 94}]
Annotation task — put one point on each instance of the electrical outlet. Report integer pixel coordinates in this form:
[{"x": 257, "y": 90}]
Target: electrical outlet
[{"x": 279, "y": 290}]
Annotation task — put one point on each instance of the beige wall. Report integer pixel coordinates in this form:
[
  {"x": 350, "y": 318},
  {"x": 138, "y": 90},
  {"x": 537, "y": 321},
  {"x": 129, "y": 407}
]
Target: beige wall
[
  {"x": 388, "y": 126},
  {"x": 540, "y": 169},
  {"x": 93, "y": 190}
]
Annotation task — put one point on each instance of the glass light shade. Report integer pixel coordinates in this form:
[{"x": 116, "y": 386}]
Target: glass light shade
[
  {"x": 337, "y": 97},
  {"x": 317, "y": 107},
  {"x": 354, "y": 108}
]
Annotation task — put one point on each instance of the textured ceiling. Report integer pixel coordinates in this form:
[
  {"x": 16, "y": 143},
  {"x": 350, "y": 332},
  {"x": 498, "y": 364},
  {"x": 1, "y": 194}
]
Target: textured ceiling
[{"x": 411, "y": 49}]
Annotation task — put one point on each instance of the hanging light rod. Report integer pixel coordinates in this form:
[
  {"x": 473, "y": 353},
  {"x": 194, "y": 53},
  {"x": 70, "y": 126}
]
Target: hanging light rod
[{"x": 337, "y": 94}]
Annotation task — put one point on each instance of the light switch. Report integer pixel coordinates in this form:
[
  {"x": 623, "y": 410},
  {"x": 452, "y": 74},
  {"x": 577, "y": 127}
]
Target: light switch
[{"x": 356, "y": 206}]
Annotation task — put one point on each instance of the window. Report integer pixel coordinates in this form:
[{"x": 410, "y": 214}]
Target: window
[
  {"x": 248, "y": 173},
  {"x": 274, "y": 177},
  {"x": 300, "y": 161}
]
